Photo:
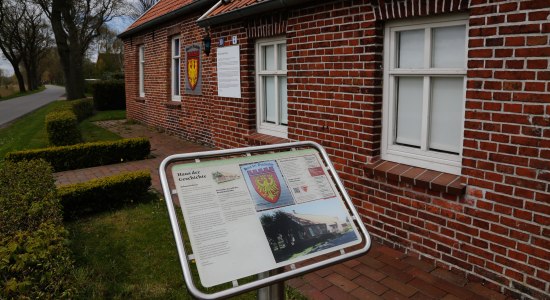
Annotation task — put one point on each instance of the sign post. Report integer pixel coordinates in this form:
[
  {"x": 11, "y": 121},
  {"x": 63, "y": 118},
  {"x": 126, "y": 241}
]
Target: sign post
[{"x": 267, "y": 213}]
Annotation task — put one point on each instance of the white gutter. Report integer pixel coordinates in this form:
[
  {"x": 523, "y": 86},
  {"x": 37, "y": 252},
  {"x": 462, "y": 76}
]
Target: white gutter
[
  {"x": 254, "y": 9},
  {"x": 209, "y": 11}
]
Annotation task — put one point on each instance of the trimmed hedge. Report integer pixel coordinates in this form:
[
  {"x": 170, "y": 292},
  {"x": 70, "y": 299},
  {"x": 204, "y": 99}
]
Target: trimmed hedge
[
  {"x": 82, "y": 108},
  {"x": 35, "y": 261},
  {"x": 22, "y": 185},
  {"x": 103, "y": 194},
  {"x": 37, "y": 264},
  {"x": 109, "y": 95},
  {"x": 87, "y": 154},
  {"x": 62, "y": 128}
]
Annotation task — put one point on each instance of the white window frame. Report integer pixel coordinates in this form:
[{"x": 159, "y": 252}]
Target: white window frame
[
  {"x": 175, "y": 69},
  {"x": 141, "y": 67},
  {"x": 423, "y": 157},
  {"x": 279, "y": 130}
]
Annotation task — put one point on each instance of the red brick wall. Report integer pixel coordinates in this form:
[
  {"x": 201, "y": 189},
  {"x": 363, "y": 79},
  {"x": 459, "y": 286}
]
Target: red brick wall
[
  {"x": 190, "y": 118},
  {"x": 498, "y": 231},
  {"x": 507, "y": 137},
  {"x": 235, "y": 117}
]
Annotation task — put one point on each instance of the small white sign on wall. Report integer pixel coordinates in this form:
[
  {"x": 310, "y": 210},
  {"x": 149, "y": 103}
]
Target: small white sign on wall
[{"x": 229, "y": 72}]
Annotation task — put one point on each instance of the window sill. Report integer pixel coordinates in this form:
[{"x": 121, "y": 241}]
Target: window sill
[
  {"x": 140, "y": 99},
  {"x": 259, "y": 139},
  {"x": 424, "y": 178},
  {"x": 173, "y": 104}
]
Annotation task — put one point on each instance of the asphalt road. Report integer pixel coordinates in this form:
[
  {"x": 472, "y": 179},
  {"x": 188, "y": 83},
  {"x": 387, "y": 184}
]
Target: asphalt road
[{"x": 15, "y": 108}]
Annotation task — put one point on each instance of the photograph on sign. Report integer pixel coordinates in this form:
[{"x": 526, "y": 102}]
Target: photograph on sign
[
  {"x": 248, "y": 215},
  {"x": 307, "y": 228}
]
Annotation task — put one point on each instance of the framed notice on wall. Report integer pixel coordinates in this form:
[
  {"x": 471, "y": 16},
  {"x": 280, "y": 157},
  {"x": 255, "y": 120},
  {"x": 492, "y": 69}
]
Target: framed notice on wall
[
  {"x": 247, "y": 214},
  {"x": 229, "y": 72}
]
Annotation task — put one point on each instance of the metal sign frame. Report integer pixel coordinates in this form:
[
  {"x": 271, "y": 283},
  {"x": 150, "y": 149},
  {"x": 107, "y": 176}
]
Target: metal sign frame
[{"x": 294, "y": 271}]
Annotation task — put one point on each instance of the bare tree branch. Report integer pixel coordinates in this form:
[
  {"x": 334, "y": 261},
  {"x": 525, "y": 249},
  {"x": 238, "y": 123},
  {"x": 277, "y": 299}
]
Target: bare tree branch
[{"x": 137, "y": 8}]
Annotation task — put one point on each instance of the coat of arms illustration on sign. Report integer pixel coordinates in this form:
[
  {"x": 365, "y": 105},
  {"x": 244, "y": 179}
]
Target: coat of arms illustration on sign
[
  {"x": 193, "y": 74},
  {"x": 266, "y": 185}
]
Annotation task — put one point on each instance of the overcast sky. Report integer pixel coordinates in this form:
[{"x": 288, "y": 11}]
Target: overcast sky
[{"x": 118, "y": 24}]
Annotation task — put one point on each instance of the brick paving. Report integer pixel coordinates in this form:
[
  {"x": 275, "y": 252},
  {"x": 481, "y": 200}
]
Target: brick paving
[{"x": 382, "y": 273}]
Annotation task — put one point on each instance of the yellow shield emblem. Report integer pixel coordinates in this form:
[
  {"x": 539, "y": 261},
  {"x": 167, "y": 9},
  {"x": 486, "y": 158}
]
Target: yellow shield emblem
[{"x": 193, "y": 67}]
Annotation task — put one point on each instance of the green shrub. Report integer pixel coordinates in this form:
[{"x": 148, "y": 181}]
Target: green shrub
[
  {"x": 27, "y": 196},
  {"x": 62, "y": 129},
  {"x": 35, "y": 262},
  {"x": 87, "y": 154},
  {"x": 104, "y": 193},
  {"x": 89, "y": 85},
  {"x": 109, "y": 95},
  {"x": 82, "y": 108}
]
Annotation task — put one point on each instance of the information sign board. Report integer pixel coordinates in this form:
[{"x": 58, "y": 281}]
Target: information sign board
[{"x": 248, "y": 214}]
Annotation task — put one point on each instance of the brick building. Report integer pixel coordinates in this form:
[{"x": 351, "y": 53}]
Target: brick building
[{"x": 435, "y": 113}]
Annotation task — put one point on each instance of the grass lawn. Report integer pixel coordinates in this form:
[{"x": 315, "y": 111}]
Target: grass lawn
[
  {"x": 131, "y": 254},
  {"x": 91, "y": 132},
  {"x": 29, "y": 132}
]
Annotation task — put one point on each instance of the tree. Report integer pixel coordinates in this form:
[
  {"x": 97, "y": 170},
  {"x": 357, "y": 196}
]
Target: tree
[
  {"x": 11, "y": 14},
  {"x": 35, "y": 41},
  {"x": 110, "y": 58},
  {"x": 108, "y": 41},
  {"x": 137, "y": 8},
  {"x": 50, "y": 68},
  {"x": 75, "y": 24}
]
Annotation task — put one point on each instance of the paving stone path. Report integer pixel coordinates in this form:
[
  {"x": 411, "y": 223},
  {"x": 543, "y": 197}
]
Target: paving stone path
[{"x": 383, "y": 273}]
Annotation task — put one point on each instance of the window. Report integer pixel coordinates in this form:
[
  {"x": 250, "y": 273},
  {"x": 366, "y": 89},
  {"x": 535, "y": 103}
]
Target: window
[
  {"x": 424, "y": 91},
  {"x": 271, "y": 93},
  {"x": 176, "y": 66},
  {"x": 141, "y": 59}
]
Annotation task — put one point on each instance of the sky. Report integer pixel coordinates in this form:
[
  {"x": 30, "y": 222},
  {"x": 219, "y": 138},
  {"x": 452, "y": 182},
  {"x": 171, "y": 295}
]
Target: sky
[{"x": 118, "y": 24}]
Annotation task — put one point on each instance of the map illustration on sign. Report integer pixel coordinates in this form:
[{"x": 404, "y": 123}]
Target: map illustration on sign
[{"x": 266, "y": 185}]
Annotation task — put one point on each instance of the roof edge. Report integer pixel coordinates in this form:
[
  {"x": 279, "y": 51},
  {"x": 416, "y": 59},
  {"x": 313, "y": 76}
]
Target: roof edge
[
  {"x": 258, "y": 8},
  {"x": 167, "y": 17}
]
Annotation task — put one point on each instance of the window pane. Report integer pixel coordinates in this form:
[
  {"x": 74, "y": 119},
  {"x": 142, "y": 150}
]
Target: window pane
[
  {"x": 269, "y": 100},
  {"x": 176, "y": 76},
  {"x": 409, "y": 110},
  {"x": 411, "y": 49},
  {"x": 176, "y": 50},
  {"x": 282, "y": 57},
  {"x": 268, "y": 57},
  {"x": 284, "y": 102},
  {"x": 141, "y": 70},
  {"x": 449, "y": 47},
  {"x": 446, "y": 114}
]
